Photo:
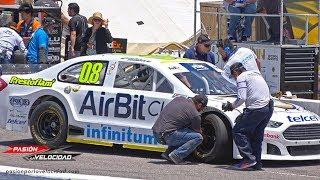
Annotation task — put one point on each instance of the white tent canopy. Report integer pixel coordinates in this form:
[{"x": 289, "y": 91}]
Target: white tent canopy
[{"x": 163, "y": 20}]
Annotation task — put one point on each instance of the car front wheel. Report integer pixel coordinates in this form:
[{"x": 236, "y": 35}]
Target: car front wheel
[{"x": 216, "y": 143}]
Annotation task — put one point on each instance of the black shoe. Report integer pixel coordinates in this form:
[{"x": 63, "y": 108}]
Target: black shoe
[
  {"x": 257, "y": 167},
  {"x": 176, "y": 160},
  {"x": 231, "y": 38},
  {"x": 166, "y": 157},
  {"x": 244, "y": 38}
]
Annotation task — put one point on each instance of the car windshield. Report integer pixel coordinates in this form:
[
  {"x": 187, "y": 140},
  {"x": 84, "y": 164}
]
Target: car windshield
[{"x": 204, "y": 79}]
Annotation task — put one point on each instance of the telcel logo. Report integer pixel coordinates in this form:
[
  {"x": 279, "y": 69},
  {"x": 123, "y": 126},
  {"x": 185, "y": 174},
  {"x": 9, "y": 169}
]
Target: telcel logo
[{"x": 302, "y": 118}]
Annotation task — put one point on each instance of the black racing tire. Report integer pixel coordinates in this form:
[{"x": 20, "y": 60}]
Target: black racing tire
[
  {"x": 217, "y": 143},
  {"x": 49, "y": 125}
]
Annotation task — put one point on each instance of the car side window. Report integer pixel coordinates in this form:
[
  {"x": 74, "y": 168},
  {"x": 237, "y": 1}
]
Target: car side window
[
  {"x": 163, "y": 85},
  {"x": 89, "y": 73},
  {"x": 134, "y": 76}
]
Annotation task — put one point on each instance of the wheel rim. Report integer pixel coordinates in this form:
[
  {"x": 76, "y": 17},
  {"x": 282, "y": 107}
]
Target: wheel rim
[
  {"x": 48, "y": 125},
  {"x": 209, "y": 139}
]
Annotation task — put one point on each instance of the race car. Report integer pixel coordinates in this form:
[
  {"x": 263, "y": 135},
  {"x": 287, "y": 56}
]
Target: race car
[{"x": 115, "y": 99}]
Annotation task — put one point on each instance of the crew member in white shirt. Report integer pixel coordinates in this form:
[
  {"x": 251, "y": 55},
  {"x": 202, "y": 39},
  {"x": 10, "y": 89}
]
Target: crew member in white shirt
[
  {"x": 249, "y": 128},
  {"x": 231, "y": 54},
  {"x": 9, "y": 39}
]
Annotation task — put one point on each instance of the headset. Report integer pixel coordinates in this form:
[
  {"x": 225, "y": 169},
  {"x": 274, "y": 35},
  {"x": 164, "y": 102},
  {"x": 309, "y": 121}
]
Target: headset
[{"x": 226, "y": 45}]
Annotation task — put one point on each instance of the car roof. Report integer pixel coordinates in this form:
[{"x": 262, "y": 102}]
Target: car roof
[{"x": 155, "y": 60}]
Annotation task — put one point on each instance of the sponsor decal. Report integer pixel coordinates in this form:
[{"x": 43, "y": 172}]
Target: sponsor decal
[
  {"x": 272, "y": 57},
  {"x": 19, "y": 102},
  {"x": 271, "y": 136},
  {"x": 174, "y": 67},
  {"x": 16, "y": 121},
  {"x": 26, "y": 149},
  {"x": 200, "y": 67},
  {"x": 124, "y": 135},
  {"x": 302, "y": 118},
  {"x": 31, "y": 82},
  {"x": 111, "y": 68},
  {"x": 15, "y": 113},
  {"x": 125, "y": 106},
  {"x": 136, "y": 59},
  {"x": 68, "y": 89}
]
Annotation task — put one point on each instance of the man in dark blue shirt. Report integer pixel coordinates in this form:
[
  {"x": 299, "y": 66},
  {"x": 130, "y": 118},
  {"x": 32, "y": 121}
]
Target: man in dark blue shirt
[{"x": 202, "y": 50}]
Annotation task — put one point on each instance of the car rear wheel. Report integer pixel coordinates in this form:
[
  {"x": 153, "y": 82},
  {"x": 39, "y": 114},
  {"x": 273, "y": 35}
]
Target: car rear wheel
[
  {"x": 216, "y": 143},
  {"x": 48, "y": 124}
]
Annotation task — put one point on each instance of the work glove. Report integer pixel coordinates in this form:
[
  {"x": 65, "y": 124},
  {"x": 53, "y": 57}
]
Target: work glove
[{"x": 227, "y": 106}]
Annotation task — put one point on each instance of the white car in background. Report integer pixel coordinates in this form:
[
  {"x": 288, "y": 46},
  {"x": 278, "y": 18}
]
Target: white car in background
[{"x": 115, "y": 99}]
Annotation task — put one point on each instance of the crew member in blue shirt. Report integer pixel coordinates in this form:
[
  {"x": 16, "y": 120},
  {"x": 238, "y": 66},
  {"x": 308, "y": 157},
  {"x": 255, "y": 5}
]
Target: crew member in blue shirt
[
  {"x": 39, "y": 43},
  {"x": 202, "y": 50}
]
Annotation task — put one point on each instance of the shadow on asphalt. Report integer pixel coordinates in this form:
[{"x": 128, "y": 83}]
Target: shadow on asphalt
[
  {"x": 279, "y": 164},
  {"x": 18, "y": 142},
  {"x": 164, "y": 162},
  {"x": 119, "y": 151}
]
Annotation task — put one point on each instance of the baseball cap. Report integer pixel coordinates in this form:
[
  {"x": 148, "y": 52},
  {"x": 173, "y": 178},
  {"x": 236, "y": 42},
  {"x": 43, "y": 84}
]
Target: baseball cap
[
  {"x": 203, "y": 38},
  {"x": 235, "y": 66},
  {"x": 201, "y": 98}
]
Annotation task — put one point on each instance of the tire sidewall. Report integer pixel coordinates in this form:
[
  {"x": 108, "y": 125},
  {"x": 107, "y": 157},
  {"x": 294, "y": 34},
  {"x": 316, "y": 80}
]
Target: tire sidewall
[
  {"x": 49, "y": 106},
  {"x": 221, "y": 149}
]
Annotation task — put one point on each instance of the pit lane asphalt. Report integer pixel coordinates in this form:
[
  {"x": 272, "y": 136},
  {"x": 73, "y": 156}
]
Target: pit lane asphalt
[{"x": 118, "y": 162}]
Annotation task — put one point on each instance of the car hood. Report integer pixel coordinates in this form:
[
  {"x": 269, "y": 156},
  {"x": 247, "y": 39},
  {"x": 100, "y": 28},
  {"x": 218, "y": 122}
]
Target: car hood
[{"x": 283, "y": 112}]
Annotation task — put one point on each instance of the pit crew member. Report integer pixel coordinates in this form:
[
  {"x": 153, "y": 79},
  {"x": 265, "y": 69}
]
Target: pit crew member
[
  {"x": 231, "y": 54},
  {"x": 9, "y": 40},
  {"x": 249, "y": 128},
  {"x": 178, "y": 126}
]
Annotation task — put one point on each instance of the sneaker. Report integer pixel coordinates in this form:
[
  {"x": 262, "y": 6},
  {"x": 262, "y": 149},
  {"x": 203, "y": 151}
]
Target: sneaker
[
  {"x": 245, "y": 164},
  {"x": 166, "y": 156},
  {"x": 176, "y": 160},
  {"x": 231, "y": 38},
  {"x": 244, "y": 38},
  {"x": 257, "y": 167}
]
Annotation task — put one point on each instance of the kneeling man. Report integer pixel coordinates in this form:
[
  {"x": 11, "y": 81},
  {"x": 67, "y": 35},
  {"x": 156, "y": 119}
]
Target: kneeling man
[{"x": 179, "y": 127}]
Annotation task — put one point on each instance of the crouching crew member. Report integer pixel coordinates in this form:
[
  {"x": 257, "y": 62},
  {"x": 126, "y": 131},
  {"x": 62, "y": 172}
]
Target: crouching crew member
[
  {"x": 178, "y": 126},
  {"x": 249, "y": 128}
]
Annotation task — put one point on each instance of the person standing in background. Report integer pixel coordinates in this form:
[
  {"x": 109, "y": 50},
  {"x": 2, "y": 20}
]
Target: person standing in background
[
  {"x": 241, "y": 7},
  {"x": 78, "y": 25},
  {"x": 28, "y": 25},
  {"x": 96, "y": 37},
  {"x": 202, "y": 50},
  {"x": 39, "y": 43}
]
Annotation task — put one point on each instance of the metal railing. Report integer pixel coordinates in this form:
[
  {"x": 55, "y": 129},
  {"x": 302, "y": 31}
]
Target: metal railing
[{"x": 281, "y": 15}]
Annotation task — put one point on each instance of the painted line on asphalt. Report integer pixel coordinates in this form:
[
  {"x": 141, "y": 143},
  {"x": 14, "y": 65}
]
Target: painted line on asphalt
[
  {"x": 292, "y": 174},
  {"x": 10, "y": 170}
]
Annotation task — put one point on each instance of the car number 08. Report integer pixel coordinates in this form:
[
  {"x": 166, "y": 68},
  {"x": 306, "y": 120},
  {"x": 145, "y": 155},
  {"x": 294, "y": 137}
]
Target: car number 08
[{"x": 90, "y": 72}]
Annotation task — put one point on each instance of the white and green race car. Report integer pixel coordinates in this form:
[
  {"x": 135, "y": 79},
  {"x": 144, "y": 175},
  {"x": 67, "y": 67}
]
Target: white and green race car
[{"x": 115, "y": 99}]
